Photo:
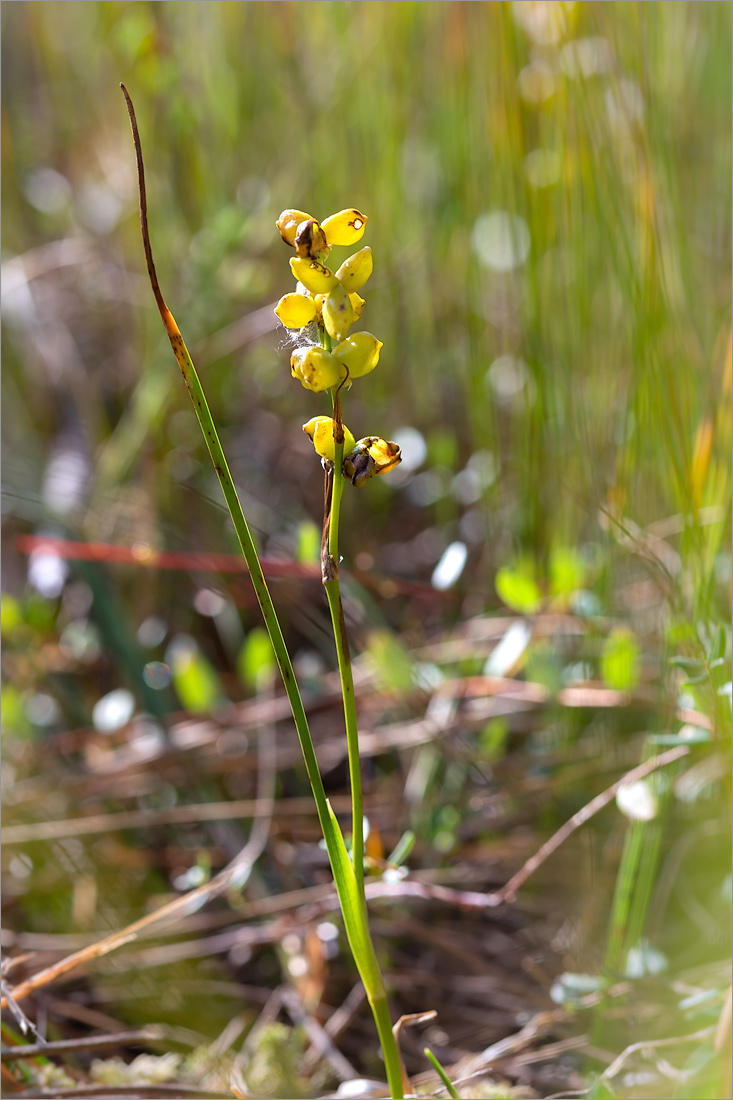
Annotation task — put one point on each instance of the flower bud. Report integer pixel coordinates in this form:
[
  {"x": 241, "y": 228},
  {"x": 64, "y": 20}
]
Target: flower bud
[
  {"x": 359, "y": 353},
  {"x": 315, "y": 369},
  {"x": 315, "y": 277},
  {"x": 320, "y": 432},
  {"x": 288, "y": 223},
  {"x": 355, "y": 271},
  {"x": 338, "y": 313},
  {"x": 370, "y": 456},
  {"x": 346, "y": 227},
  {"x": 295, "y": 310},
  {"x": 310, "y": 239}
]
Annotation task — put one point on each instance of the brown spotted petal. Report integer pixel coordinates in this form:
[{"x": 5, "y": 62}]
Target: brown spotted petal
[
  {"x": 288, "y": 224},
  {"x": 310, "y": 240},
  {"x": 371, "y": 456}
]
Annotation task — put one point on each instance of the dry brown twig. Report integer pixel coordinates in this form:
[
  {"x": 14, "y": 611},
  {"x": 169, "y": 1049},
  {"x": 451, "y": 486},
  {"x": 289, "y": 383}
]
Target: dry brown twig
[
  {"x": 234, "y": 876},
  {"x": 237, "y": 872},
  {"x": 508, "y": 892},
  {"x": 653, "y": 1044},
  {"x": 89, "y": 1042}
]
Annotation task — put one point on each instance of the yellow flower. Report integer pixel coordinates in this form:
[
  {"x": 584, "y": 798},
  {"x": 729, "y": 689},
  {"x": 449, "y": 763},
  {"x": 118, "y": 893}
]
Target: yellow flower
[
  {"x": 316, "y": 369},
  {"x": 288, "y": 223},
  {"x": 359, "y": 353},
  {"x": 315, "y": 277},
  {"x": 370, "y": 456},
  {"x": 320, "y": 432},
  {"x": 355, "y": 271},
  {"x": 295, "y": 310},
  {"x": 310, "y": 240},
  {"x": 338, "y": 313},
  {"x": 346, "y": 227},
  {"x": 357, "y": 305}
]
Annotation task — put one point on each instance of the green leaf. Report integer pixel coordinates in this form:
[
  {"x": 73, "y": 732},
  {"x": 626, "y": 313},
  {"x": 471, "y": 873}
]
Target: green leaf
[
  {"x": 719, "y": 645},
  {"x": 11, "y": 615},
  {"x": 689, "y": 664},
  {"x": 567, "y": 571},
  {"x": 256, "y": 659},
  {"x": 12, "y": 713},
  {"x": 517, "y": 588},
  {"x": 544, "y": 667},
  {"x": 700, "y": 678},
  {"x": 692, "y": 735},
  {"x": 493, "y": 739},
  {"x": 349, "y": 893},
  {"x": 402, "y": 849},
  {"x": 39, "y": 612},
  {"x": 195, "y": 680},
  {"x": 447, "y": 1083},
  {"x": 391, "y": 662},
  {"x": 308, "y": 543},
  {"x": 620, "y": 660}
]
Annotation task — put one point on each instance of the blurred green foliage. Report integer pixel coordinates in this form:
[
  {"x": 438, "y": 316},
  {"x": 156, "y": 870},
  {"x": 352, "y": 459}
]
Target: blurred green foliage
[
  {"x": 549, "y": 209},
  {"x": 549, "y": 195}
]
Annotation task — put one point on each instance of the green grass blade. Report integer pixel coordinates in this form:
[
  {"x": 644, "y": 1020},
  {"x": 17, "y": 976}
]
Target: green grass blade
[{"x": 452, "y": 1090}]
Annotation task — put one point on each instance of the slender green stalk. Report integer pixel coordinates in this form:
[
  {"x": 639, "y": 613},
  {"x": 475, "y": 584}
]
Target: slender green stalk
[
  {"x": 333, "y": 594},
  {"x": 338, "y": 491},
  {"x": 448, "y": 1084},
  {"x": 360, "y": 939},
  {"x": 623, "y": 896}
]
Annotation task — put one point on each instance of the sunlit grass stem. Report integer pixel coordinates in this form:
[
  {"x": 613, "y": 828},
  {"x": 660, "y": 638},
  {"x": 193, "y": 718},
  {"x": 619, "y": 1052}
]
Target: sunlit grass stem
[{"x": 447, "y": 1083}]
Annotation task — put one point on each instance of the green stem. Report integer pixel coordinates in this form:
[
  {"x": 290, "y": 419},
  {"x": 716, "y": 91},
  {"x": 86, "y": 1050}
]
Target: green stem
[
  {"x": 364, "y": 954},
  {"x": 338, "y": 492},
  {"x": 447, "y": 1083},
  {"x": 390, "y": 1050},
  {"x": 333, "y": 594}
]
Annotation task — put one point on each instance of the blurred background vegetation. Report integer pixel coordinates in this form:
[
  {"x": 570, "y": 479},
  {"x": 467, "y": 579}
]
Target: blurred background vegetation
[{"x": 549, "y": 195}]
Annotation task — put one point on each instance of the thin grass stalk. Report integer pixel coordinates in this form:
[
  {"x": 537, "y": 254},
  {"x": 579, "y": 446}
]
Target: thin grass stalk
[
  {"x": 447, "y": 1083},
  {"x": 623, "y": 896},
  {"x": 646, "y": 880}
]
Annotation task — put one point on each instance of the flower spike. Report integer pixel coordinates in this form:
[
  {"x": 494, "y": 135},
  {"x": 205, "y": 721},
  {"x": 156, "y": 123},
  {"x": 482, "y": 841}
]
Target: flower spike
[{"x": 328, "y": 358}]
